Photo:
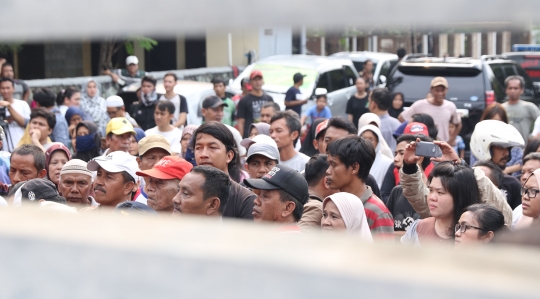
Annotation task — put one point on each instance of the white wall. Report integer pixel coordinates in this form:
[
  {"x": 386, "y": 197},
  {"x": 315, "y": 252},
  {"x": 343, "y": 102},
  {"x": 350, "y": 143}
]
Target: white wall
[{"x": 274, "y": 41}]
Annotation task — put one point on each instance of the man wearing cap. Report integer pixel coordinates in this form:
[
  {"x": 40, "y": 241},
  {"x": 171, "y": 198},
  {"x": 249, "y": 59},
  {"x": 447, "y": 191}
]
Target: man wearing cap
[
  {"x": 75, "y": 183},
  {"x": 212, "y": 109},
  {"x": 293, "y": 98},
  {"x": 318, "y": 141},
  {"x": 204, "y": 191},
  {"x": 116, "y": 108},
  {"x": 151, "y": 150},
  {"x": 119, "y": 132},
  {"x": 163, "y": 181},
  {"x": 262, "y": 156},
  {"x": 116, "y": 178},
  {"x": 131, "y": 74},
  {"x": 441, "y": 110},
  {"x": 282, "y": 194},
  {"x": 249, "y": 107},
  {"x": 38, "y": 189}
]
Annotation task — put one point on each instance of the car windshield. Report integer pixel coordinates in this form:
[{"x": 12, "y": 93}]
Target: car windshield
[{"x": 279, "y": 78}]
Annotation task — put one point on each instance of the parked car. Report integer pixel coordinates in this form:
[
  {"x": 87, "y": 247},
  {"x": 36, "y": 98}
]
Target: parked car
[
  {"x": 529, "y": 61},
  {"x": 473, "y": 83},
  {"x": 382, "y": 63},
  {"x": 338, "y": 76}
]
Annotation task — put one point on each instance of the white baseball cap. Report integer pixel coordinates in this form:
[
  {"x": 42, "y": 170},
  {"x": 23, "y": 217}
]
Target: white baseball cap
[
  {"x": 259, "y": 138},
  {"x": 116, "y": 162},
  {"x": 132, "y": 60},
  {"x": 268, "y": 150},
  {"x": 114, "y": 101}
]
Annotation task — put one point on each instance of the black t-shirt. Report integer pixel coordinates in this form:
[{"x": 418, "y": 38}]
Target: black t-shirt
[
  {"x": 400, "y": 208},
  {"x": 356, "y": 107},
  {"x": 512, "y": 190},
  {"x": 144, "y": 115},
  {"x": 249, "y": 108},
  {"x": 388, "y": 183},
  {"x": 240, "y": 204},
  {"x": 291, "y": 96}
]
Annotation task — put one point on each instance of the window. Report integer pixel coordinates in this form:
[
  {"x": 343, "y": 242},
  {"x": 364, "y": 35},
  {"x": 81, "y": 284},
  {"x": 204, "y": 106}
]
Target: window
[
  {"x": 498, "y": 72},
  {"x": 385, "y": 70},
  {"x": 323, "y": 82},
  {"x": 350, "y": 76},
  {"x": 337, "y": 80}
]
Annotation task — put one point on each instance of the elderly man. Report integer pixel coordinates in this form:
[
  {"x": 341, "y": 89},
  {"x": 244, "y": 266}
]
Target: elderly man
[
  {"x": 116, "y": 178},
  {"x": 75, "y": 183},
  {"x": 151, "y": 150},
  {"x": 163, "y": 180}
]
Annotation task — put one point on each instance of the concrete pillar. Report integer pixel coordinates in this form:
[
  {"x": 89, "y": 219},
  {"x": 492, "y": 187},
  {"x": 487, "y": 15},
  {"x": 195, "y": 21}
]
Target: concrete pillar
[
  {"x": 476, "y": 41},
  {"x": 87, "y": 58},
  {"x": 492, "y": 43},
  {"x": 303, "y": 40},
  {"x": 425, "y": 44},
  {"x": 347, "y": 44},
  {"x": 459, "y": 44},
  {"x": 354, "y": 44},
  {"x": 180, "y": 52},
  {"x": 443, "y": 44},
  {"x": 323, "y": 46},
  {"x": 374, "y": 43},
  {"x": 506, "y": 42},
  {"x": 139, "y": 52}
]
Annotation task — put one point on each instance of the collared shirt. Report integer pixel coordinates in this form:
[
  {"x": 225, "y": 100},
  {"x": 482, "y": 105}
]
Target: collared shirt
[{"x": 379, "y": 219}]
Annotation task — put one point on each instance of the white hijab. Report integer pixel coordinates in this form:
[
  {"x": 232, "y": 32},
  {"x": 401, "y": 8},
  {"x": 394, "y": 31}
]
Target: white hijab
[
  {"x": 352, "y": 212},
  {"x": 382, "y": 163},
  {"x": 367, "y": 119}
]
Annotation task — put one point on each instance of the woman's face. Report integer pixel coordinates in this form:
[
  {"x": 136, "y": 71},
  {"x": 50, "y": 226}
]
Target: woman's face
[
  {"x": 397, "y": 103},
  {"x": 82, "y": 131},
  {"x": 441, "y": 202},
  {"x": 371, "y": 137},
  {"x": 471, "y": 234},
  {"x": 254, "y": 132},
  {"x": 331, "y": 220},
  {"x": 184, "y": 142},
  {"x": 75, "y": 100},
  {"x": 75, "y": 119},
  {"x": 531, "y": 206},
  {"x": 91, "y": 89},
  {"x": 58, "y": 159},
  {"x": 133, "y": 146}
]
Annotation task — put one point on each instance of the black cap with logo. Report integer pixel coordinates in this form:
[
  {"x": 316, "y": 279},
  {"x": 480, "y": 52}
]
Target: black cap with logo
[
  {"x": 36, "y": 189},
  {"x": 213, "y": 102},
  {"x": 283, "y": 178}
]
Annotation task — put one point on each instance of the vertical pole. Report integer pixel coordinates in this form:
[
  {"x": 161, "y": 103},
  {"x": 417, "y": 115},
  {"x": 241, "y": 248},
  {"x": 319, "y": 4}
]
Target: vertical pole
[
  {"x": 303, "y": 40},
  {"x": 229, "y": 40}
]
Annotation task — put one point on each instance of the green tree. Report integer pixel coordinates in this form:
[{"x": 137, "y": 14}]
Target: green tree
[{"x": 110, "y": 46}]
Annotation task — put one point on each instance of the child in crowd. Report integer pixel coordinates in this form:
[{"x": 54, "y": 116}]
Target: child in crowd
[
  {"x": 320, "y": 110},
  {"x": 458, "y": 144}
]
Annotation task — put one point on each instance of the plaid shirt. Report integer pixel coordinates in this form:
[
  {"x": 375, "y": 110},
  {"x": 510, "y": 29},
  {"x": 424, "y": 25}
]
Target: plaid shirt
[{"x": 379, "y": 218}]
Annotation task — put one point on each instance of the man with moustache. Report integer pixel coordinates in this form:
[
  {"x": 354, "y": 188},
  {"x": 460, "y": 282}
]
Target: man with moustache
[
  {"x": 75, "y": 183},
  {"x": 118, "y": 135}
]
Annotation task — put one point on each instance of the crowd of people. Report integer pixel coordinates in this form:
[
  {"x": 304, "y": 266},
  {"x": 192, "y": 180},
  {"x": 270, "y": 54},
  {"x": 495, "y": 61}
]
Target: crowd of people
[{"x": 304, "y": 169}]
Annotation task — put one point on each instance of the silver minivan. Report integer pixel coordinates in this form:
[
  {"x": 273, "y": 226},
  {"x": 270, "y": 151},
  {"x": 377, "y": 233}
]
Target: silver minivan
[{"x": 336, "y": 75}]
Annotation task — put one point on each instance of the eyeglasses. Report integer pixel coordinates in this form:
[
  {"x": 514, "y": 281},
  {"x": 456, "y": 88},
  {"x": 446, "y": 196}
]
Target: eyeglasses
[
  {"x": 531, "y": 193},
  {"x": 464, "y": 227}
]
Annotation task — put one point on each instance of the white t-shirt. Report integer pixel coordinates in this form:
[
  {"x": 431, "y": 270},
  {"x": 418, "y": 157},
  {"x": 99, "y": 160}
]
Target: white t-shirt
[
  {"x": 16, "y": 132},
  {"x": 297, "y": 162},
  {"x": 174, "y": 136}
]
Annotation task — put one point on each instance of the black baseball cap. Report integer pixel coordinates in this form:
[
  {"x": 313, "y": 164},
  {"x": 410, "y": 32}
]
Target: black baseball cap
[
  {"x": 297, "y": 77},
  {"x": 284, "y": 178},
  {"x": 36, "y": 189},
  {"x": 213, "y": 102}
]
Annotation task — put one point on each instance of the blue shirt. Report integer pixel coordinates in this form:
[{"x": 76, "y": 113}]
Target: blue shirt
[
  {"x": 314, "y": 114},
  {"x": 60, "y": 131},
  {"x": 291, "y": 96}
]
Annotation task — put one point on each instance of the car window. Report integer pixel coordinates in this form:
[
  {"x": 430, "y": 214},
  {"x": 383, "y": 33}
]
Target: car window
[
  {"x": 323, "y": 82},
  {"x": 498, "y": 72},
  {"x": 350, "y": 76},
  {"x": 385, "y": 70},
  {"x": 337, "y": 80},
  {"x": 279, "y": 77},
  {"x": 509, "y": 70},
  {"x": 359, "y": 66}
]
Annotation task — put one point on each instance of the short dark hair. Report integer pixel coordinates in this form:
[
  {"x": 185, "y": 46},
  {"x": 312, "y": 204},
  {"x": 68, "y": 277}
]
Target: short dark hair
[
  {"x": 488, "y": 217},
  {"x": 531, "y": 147},
  {"x": 165, "y": 106},
  {"x": 368, "y": 60},
  {"x": 45, "y": 97},
  {"x": 66, "y": 93},
  {"x": 427, "y": 120},
  {"x": 34, "y": 151},
  {"x": 273, "y": 105},
  {"x": 497, "y": 175},
  {"x": 514, "y": 77},
  {"x": 7, "y": 64},
  {"x": 316, "y": 169},
  {"x": 5, "y": 79},
  {"x": 218, "y": 80},
  {"x": 401, "y": 52},
  {"x": 291, "y": 119},
  {"x": 321, "y": 96},
  {"x": 150, "y": 79},
  {"x": 494, "y": 109},
  {"x": 382, "y": 97},
  {"x": 42, "y": 112},
  {"x": 298, "y": 206},
  {"x": 342, "y": 123},
  {"x": 409, "y": 138},
  {"x": 531, "y": 156},
  {"x": 171, "y": 75},
  {"x": 351, "y": 150},
  {"x": 216, "y": 184}
]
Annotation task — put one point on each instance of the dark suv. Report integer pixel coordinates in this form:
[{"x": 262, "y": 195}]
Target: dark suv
[{"x": 473, "y": 83}]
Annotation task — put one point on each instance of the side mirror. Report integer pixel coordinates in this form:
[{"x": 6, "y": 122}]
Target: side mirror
[{"x": 382, "y": 79}]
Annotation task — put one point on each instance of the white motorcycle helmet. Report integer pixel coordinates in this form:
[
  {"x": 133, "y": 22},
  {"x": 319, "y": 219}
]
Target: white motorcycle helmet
[{"x": 493, "y": 132}]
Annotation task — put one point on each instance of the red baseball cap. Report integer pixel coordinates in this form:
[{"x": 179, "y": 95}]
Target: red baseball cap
[
  {"x": 168, "y": 168},
  {"x": 416, "y": 129},
  {"x": 320, "y": 127},
  {"x": 255, "y": 73}
]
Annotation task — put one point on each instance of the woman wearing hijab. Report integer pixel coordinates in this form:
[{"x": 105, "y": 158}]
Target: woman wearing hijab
[
  {"x": 87, "y": 141},
  {"x": 74, "y": 115},
  {"x": 373, "y": 119},
  {"x": 186, "y": 137},
  {"x": 93, "y": 105},
  {"x": 55, "y": 157},
  {"x": 381, "y": 164},
  {"x": 259, "y": 128},
  {"x": 397, "y": 105},
  {"x": 343, "y": 211}
]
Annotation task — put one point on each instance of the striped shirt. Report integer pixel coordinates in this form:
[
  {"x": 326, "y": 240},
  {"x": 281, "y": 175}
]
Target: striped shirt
[{"x": 379, "y": 218}]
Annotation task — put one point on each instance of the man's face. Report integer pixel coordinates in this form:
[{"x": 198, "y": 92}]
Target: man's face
[
  {"x": 6, "y": 90},
  {"x": 337, "y": 174},
  {"x": 219, "y": 89},
  {"x": 514, "y": 89},
  {"x": 256, "y": 83},
  {"x": 210, "y": 151},
  {"x": 500, "y": 155},
  {"x": 333, "y": 133},
  {"x": 40, "y": 123},
  {"x": 281, "y": 134},
  {"x": 161, "y": 193},
  {"x": 119, "y": 142},
  {"x": 116, "y": 112},
  {"x": 151, "y": 157},
  {"x": 266, "y": 114},
  {"x": 212, "y": 114},
  {"x": 360, "y": 84},
  {"x": 147, "y": 87},
  {"x": 132, "y": 68},
  {"x": 258, "y": 165},
  {"x": 319, "y": 145},
  {"x": 528, "y": 168},
  {"x": 109, "y": 188},
  {"x": 7, "y": 72},
  {"x": 268, "y": 206},
  {"x": 190, "y": 198},
  {"x": 75, "y": 188},
  {"x": 162, "y": 117},
  {"x": 439, "y": 93},
  {"x": 399, "y": 153},
  {"x": 169, "y": 83},
  {"x": 22, "y": 168}
]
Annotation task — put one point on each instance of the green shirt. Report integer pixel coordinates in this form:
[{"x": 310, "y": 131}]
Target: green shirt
[{"x": 228, "y": 112}]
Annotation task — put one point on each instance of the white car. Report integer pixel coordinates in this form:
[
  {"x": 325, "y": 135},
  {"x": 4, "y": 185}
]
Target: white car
[
  {"x": 337, "y": 76},
  {"x": 381, "y": 63}
]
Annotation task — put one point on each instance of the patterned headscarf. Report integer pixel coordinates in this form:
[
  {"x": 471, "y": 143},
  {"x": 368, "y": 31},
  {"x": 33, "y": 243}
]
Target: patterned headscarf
[{"x": 95, "y": 106}]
